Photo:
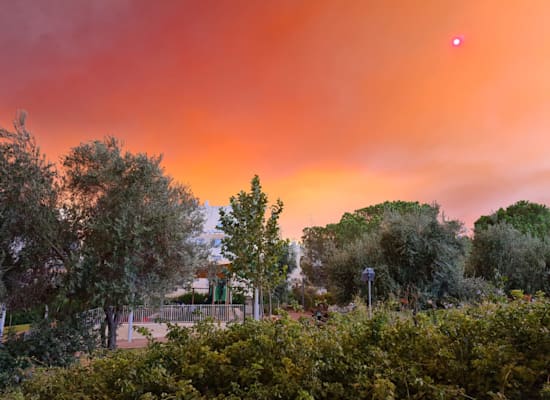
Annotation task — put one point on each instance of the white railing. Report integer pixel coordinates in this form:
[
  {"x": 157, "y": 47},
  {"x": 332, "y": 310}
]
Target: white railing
[
  {"x": 94, "y": 317},
  {"x": 187, "y": 313}
]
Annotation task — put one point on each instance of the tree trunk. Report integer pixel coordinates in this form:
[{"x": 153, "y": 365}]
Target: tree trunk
[
  {"x": 303, "y": 294},
  {"x": 213, "y": 292},
  {"x": 130, "y": 325},
  {"x": 256, "y": 304},
  {"x": 102, "y": 332},
  {"x": 112, "y": 317},
  {"x": 227, "y": 293},
  {"x": 2, "y": 319},
  {"x": 270, "y": 302},
  {"x": 261, "y": 302}
]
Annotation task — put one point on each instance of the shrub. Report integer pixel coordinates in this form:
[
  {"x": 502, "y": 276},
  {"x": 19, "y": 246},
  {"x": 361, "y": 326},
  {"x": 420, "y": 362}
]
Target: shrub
[
  {"x": 188, "y": 298},
  {"x": 311, "y": 297},
  {"x": 21, "y": 317},
  {"x": 46, "y": 344},
  {"x": 238, "y": 298},
  {"x": 493, "y": 351}
]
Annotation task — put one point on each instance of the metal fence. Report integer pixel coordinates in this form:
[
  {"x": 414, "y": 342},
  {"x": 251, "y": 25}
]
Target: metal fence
[
  {"x": 93, "y": 317},
  {"x": 186, "y": 313}
]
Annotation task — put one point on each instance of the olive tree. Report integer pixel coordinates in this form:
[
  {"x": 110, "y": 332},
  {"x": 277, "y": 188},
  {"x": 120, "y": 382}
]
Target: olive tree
[
  {"x": 526, "y": 217},
  {"x": 321, "y": 243},
  {"x": 511, "y": 247},
  {"x": 136, "y": 227},
  {"x": 31, "y": 246},
  {"x": 414, "y": 252},
  {"x": 510, "y": 259}
]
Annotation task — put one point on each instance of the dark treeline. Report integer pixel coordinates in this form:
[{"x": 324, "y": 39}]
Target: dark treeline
[{"x": 421, "y": 257}]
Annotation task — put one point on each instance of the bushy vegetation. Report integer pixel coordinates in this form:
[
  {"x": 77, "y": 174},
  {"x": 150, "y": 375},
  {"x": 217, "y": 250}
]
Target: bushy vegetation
[
  {"x": 192, "y": 298},
  {"x": 494, "y": 351},
  {"x": 511, "y": 247},
  {"x": 112, "y": 229},
  {"x": 420, "y": 256},
  {"x": 415, "y": 251},
  {"x": 47, "y": 344},
  {"x": 510, "y": 259}
]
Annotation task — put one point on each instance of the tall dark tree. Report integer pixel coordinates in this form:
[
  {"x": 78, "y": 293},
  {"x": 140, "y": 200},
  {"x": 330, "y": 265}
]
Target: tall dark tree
[
  {"x": 252, "y": 242},
  {"x": 510, "y": 259},
  {"x": 526, "y": 217},
  {"x": 322, "y": 243},
  {"x": 31, "y": 249},
  {"x": 414, "y": 252},
  {"x": 511, "y": 247},
  {"x": 136, "y": 227},
  {"x": 318, "y": 245}
]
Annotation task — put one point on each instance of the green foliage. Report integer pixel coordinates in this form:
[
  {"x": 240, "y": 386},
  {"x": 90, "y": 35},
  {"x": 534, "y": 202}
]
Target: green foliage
[
  {"x": 318, "y": 244},
  {"x": 137, "y": 228},
  {"x": 374, "y": 215},
  {"x": 510, "y": 259},
  {"x": 31, "y": 248},
  {"x": 414, "y": 253},
  {"x": 493, "y": 351},
  {"x": 321, "y": 243},
  {"x": 195, "y": 298},
  {"x": 287, "y": 263},
  {"x": 252, "y": 242},
  {"x": 310, "y": 297},
  {"x": 345, "y": 267},
  {"x": 238, "y": 298},
  {"x": 24, "y": 316},
  {"x": 524, "y": 216},
  {"x": 46, "y": 344}
]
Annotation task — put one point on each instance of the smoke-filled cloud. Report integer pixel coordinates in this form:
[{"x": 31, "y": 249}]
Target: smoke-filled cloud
[{"x": 337, "y": 105}]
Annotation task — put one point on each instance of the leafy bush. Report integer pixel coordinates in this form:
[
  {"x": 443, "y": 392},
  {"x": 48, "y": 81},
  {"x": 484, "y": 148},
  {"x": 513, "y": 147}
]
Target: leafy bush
[
  {"x": 20, "y": 317},
  {"x": 311, "y": 297},
  {"x": 46, "y": 344},
  {"x": 510, "y": 258},
  {"x": 189, "y": 298},
  {"x": 494, "y": 351},
  {"x": 238, "y": 298},
  {"x": 201, "y": 298}
]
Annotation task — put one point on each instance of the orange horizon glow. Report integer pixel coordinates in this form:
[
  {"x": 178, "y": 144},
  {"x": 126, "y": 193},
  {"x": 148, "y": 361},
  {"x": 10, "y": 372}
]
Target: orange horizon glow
[{"x": 335, "y": 105}]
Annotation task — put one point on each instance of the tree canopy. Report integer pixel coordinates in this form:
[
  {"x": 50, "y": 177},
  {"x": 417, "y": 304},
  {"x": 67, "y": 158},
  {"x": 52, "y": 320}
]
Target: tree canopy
[
  {"x": 524, "y": 216},
  {"x": 511, "y": 247},
  {"x": 412, "y": 251},
  {"x": 137, "y": 229},
  {"x": 510, "y": 259},
  {"x": 321, "y": 243},
  {"x": 252, "y": 242},
  {"x": 31, "y": 251}
]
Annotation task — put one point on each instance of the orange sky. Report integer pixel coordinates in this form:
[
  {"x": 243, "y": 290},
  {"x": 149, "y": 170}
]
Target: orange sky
[{"x": 335, "y": 104}]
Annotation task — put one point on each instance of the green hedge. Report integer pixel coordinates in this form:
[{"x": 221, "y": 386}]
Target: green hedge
[
  {"x": 496, "y": 351},
  {"x": 191, "y": 298},
  {"x": 201, "y": 298}
]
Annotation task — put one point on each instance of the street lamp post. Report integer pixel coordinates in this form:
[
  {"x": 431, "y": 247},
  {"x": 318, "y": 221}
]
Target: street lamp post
[{"x": 368, "y": 276}]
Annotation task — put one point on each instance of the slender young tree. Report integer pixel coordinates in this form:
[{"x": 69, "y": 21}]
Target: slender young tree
[
  {"x": 136, "y": 227},
  {"x": 252, "y": 242}
]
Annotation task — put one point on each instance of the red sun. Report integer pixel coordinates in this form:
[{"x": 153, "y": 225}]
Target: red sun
[{"x": 457, "y": 41}]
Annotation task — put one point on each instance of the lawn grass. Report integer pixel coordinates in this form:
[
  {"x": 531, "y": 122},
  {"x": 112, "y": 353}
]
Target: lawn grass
[{"x": 17, "y": 328}]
